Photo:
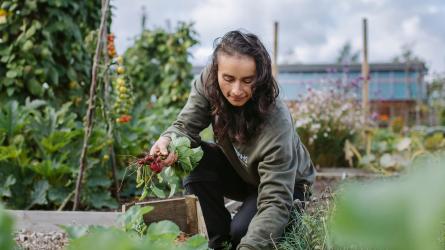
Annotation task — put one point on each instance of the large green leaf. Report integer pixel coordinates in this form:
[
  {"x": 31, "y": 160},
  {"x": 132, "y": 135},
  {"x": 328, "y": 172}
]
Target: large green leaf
[
  {"x": 57, "y": 140},
  {"x": 9, "y": 152},
  {"x": 157, "y": 191},
  {"x": 197, "y": 155},
  {"x": 133, "y": 216},
  {"x": 50, "y": 169},
  {"x": 12, "y": 118},
  {"x": 75, "y": 232},
  {"x": 5, "y": 190},
  {"x": 99, "y": 198},
  {"x": 402, "y": 213},
  {"x": 163, "y": 231},
  {"x": 38, "y": 194},
  {"x": 6, "y": 230},
  {"x": 58, "y": 194},
  {"x": 197, "y": 242},
  {"x": 111, "y": 239}
]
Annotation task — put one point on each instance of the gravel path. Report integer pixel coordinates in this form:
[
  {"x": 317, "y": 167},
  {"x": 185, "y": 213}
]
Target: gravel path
[{"x": 41, "y": 241}]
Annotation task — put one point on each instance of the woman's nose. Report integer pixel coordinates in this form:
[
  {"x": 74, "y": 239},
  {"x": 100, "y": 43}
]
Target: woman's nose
[{"x": 237, "y": 89}]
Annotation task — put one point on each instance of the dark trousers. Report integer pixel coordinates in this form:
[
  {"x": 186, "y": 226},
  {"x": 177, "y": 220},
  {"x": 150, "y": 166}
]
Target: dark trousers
[{"x": 213, "y": 179}]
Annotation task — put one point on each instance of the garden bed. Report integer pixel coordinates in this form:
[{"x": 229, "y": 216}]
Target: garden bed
[{"x": 39, "y": 230}]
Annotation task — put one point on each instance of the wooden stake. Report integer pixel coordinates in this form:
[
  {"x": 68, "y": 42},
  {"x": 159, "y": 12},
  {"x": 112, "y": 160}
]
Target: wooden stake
[
  {"x": 108, "y": 116},
  {"x": 365, "y": 74},
  {"x": 275, "y": 51},
  {"x": 365, "y": 90},
  {"x": 91, "y": 105}
]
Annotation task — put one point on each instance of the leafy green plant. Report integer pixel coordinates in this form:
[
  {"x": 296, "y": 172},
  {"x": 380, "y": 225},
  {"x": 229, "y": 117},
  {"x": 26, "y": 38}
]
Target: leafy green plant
[
  {"x": 158, "y": 64},
  {"x": 6, "y": 227},
  {"x": 389, "y": 151},
  {"x": 38, "y": 171},
  {"x": 38, "y": 37},
  {"x": 133, "y": 235},
  {"x": 407, "y": 212},
  {"x": 40, "y": 141}
]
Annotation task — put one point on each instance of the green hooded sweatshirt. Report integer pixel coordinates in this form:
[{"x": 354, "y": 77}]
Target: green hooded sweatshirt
[{"x": 274, "y": 160}]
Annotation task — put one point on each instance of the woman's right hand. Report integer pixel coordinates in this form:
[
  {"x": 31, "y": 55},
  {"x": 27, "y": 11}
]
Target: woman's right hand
[{"x": 161, "y": 147}]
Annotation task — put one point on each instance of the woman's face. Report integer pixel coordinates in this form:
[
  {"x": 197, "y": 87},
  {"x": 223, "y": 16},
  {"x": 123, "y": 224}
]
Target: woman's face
[{"x": 236, "y": 76}]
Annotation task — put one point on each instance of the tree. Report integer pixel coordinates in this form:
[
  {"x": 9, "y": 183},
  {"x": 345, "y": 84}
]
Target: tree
[
  {"x": 346, "y": 55},
  {"x": 436, "y": 98},
  {"x": 407, "y": 55}
]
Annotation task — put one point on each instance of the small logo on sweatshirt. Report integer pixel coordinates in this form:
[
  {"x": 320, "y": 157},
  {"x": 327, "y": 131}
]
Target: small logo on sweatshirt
[{"x": 243, "y": 158}]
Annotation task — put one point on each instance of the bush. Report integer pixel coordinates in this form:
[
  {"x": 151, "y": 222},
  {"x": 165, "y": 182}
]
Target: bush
[
  {"x": 41, "y": 141},
  {"x": 325, "y": 120},
  {"x": 42, "y": 48},
  {"x": 158, "y": 65}
]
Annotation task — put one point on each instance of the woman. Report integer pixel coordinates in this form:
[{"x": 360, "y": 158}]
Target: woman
[{"x": 258, "y": 158}]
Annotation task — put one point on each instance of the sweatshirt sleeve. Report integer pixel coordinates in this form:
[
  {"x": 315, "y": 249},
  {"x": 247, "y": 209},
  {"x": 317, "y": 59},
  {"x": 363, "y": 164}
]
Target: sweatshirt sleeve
[
  {"x": 195, "y": 115},
  {"x": 277, "y": 172}
]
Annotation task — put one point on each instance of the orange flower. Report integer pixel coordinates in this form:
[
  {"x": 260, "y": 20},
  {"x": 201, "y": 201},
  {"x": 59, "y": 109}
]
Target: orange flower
[
  {"x": 124, "y": 119},
  {"x": 383, "y": 117},
  {"x": 110, "y": 37}
]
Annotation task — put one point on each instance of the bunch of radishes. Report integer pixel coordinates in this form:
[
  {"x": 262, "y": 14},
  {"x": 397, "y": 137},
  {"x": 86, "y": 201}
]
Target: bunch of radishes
[{"x": 150, "y": 165}]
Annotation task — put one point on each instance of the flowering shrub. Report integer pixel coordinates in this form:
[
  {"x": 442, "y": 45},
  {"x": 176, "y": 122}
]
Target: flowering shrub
[
  {"x": 391, "y": 151},
  {"x": 325, "y": 120}
]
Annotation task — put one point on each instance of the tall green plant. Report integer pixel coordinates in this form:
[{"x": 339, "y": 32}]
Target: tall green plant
[
  {"x": 158, "y": 64},
  {"x": 39, "y": 153},
  {"x": 42, "y": 49}
]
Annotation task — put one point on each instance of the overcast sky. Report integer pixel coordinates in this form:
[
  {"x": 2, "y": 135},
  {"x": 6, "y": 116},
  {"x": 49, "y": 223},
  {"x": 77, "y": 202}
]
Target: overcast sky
[{"x": 311, "y": 31}]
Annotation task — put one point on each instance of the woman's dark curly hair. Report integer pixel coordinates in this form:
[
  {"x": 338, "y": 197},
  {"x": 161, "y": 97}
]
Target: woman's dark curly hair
[{"x": 240, "y": 124}]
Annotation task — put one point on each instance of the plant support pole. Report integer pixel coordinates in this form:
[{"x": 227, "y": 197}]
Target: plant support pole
[
  {"x": 108, "y": 118},
  {"x": 365, "y": 90},
  {"x": 91, "y": 105},
  {"x": 275, "y": 50},
  {"x": 365, "y": 74}
]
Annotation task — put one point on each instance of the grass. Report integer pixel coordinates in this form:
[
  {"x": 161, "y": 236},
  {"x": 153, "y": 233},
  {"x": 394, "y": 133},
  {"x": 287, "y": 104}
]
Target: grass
[{"x": 308, "y": 230}]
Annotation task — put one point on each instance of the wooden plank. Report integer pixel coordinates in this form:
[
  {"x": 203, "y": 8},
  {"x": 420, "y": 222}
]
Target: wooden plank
[
  {"x": 48, "y": 221},
  {"x": 192, "y": 219},
  {"x": 343, "y": 173},
  {"x": 184, "y": 211},
  {"x": 202, "y": 229},
  {"x": 172, "y": 209}
]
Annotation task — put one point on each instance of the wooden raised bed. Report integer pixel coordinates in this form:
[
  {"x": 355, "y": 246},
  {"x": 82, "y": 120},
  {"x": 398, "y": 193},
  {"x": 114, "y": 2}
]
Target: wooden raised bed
[{"x": 184, "y": 211}]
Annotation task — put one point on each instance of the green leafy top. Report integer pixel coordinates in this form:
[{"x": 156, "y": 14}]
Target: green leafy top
[
  {"x": 150, "y": 166},
  {"x": 188, "y": 157}
]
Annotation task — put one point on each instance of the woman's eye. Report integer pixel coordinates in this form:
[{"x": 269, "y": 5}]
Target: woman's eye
[
  {"x": 228, "y": 79},
  {"x": 248, "y": 80}
]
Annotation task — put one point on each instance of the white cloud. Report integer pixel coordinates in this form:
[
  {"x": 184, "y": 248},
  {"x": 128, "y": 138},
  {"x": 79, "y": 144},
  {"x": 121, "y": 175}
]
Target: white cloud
[
  {"x": 411, "y": 27},
  {"x": 310, "y": 30},
  {"x": 202, "y": 55}
]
